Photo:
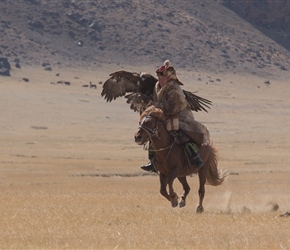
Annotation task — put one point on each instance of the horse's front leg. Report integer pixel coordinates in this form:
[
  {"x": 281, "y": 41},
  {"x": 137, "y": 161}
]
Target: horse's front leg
[
  {"x": 186, "y": 190},
  {"x": 172, "y": 194},
  {"x": 163, "y": 185}
]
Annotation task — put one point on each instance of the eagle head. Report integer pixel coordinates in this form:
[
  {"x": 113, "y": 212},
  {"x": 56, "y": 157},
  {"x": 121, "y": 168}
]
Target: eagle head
[{"x": 143, "y": 76}]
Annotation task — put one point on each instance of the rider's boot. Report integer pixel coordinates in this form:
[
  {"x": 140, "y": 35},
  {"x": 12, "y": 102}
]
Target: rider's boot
[
  {"x": 150, "y": 167},
  {"x": 195, "y": 158},
  {"x": 198, "y": 161}
]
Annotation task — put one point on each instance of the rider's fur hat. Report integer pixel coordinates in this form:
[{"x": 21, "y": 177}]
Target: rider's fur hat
[{"x": 168, "y": 71}]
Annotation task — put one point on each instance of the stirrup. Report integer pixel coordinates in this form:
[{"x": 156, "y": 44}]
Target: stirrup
[{"x": 150, "y": 167}]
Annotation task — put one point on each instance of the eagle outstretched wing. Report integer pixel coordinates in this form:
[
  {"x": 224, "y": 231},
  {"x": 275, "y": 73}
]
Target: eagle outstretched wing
[
  {"x": 120, "y": 83},
  {"x": 138, "y": 90},
  {"x": 197, "y": 103},
  {"x": 136, "y": 87}
]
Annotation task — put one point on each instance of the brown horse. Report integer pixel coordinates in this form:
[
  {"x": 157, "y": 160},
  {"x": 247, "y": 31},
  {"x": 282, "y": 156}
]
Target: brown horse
[{"x": 171, "y": 162}]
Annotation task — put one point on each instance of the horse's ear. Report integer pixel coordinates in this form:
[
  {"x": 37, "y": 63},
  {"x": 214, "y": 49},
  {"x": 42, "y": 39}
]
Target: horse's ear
[
  {"x": 146, "y": 112},
  {"x": 141, "y": 117}
]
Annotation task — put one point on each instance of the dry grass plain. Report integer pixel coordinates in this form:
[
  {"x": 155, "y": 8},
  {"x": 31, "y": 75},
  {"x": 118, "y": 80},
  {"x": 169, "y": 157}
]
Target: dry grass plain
[{"x": 70, "y": 176}]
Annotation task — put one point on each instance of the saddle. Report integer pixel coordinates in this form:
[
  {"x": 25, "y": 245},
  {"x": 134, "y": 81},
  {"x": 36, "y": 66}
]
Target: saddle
[
  {"x": 183, "y": 137},
  {"x": 189, "y": 143}
]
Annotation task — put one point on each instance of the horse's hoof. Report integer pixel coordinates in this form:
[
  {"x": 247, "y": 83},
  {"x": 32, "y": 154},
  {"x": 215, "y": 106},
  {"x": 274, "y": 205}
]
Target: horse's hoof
[
  {"x": 182, "y": 202},
  {"x": 174, "y": 201},
  {"x": 199, "y": 209},
  {"x": 174, "y": 204}
]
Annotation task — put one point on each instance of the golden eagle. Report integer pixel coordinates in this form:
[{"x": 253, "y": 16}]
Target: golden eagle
[{"x": 138, "y": 90}]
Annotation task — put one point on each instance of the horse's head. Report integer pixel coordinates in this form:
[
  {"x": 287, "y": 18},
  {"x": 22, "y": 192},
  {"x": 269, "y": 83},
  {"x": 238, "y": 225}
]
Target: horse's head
[{"x": 148, "y": 125}]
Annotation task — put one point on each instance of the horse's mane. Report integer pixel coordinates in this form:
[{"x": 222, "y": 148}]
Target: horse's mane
[{"x": 154, "y": 112}]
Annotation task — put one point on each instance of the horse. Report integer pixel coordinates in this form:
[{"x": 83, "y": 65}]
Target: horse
[{"x": 171, "y": 161}]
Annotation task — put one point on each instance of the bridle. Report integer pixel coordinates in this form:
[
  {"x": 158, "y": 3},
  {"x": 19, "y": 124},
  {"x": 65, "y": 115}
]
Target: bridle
[
  {"x": 154, "y": 133},
  {"x": 151, "y": 132}
]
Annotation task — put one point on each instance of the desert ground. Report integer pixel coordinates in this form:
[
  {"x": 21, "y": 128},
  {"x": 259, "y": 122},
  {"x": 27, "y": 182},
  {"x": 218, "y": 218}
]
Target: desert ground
[{"x": 70, "y": 174}]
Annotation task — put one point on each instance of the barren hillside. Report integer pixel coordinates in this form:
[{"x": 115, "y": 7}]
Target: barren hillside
[
  {"x": 271, "y": 17},
  {"x": 195, "y": 35}
]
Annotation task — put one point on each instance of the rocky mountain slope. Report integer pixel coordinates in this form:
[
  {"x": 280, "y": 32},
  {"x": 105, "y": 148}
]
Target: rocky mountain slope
[
  {"x": 271, "y": 17},
  {"x": 194, "y": 35}
]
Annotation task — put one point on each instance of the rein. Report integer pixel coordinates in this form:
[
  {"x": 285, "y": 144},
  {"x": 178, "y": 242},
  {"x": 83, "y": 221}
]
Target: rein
[
  {"x": 154, "y": 133},
  {"x": 149, "y": 131}
]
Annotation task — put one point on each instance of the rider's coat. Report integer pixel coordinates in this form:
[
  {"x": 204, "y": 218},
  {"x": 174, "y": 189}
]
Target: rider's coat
[{"x": 171, "y": 100}]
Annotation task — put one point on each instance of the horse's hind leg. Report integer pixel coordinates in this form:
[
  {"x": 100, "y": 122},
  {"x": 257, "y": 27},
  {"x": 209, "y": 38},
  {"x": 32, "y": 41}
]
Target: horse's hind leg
[
  {"x": 202, "y": 179},
  {"x": 186, "y": 190}
]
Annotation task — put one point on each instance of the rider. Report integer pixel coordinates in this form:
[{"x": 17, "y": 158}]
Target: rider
[{"x": 169, "y": 96}]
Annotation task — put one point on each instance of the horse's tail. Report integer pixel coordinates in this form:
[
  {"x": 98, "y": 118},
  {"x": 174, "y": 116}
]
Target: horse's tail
[{"x": 214, "y": 176}]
